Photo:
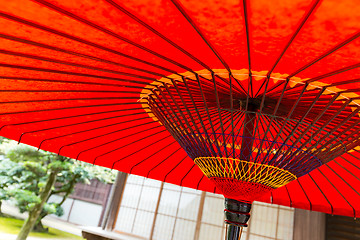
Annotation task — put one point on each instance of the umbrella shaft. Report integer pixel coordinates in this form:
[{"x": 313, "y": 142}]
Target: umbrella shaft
[
  {"x": 233, "y": 232},
  {"x": 248, "y": 133}
]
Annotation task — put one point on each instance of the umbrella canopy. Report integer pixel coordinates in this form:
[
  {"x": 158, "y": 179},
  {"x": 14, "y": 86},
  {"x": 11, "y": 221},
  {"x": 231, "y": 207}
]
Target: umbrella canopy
[{"x": 134, "y": 85}]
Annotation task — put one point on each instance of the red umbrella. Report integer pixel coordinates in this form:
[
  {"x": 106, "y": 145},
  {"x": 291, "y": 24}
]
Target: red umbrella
[{"x": 258, "y": 93}]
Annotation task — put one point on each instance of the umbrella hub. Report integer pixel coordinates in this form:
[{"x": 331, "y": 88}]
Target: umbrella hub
[
  {"x": 249, "y": 137},
  {"x": 243, "y": 180}
]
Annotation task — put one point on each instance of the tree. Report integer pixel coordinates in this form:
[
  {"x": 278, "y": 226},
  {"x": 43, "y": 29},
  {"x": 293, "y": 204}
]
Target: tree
[
  {"x": 30, "y": 177},
  {"x": 8, "y": 176}
]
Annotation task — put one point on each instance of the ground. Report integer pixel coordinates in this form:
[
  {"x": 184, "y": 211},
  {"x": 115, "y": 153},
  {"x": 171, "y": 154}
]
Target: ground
[{"x": 9, "y": 227}]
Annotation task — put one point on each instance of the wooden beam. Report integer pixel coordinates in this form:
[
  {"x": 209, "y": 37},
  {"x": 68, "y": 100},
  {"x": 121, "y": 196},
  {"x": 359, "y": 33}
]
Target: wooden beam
[
  {"x": 156, "y": 211},
  {"x": 309, "y": 225},
  {"x": 114, "y": 200},
  {"x": 199, "y": 216}
]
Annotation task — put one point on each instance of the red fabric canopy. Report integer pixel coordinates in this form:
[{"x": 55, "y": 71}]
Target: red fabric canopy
[{"x": 73, "y": 74}]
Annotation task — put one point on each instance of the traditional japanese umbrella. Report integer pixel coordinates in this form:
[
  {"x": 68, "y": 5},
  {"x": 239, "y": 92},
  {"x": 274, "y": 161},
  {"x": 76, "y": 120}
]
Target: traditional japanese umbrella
[{"x": 258, "y": 94}]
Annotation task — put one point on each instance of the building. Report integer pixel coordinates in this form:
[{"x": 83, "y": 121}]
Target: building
[
  {"x": 161, "y": 211},
  {"x": 85, "y": 196},
  {"x": 141, "y": 208}
]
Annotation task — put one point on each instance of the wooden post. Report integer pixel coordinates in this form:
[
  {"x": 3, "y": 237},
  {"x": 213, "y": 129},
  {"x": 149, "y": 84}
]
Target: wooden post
[
  {"x": 156, "y": 211},
  {"x": 113, "y": 205},
  {"x": 309, "y": 225},
  {"x": 199, "y": 216}
]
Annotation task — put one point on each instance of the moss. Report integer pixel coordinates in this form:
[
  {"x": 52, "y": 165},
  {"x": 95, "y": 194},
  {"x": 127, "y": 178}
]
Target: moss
[{"x": 13, "y": 226}]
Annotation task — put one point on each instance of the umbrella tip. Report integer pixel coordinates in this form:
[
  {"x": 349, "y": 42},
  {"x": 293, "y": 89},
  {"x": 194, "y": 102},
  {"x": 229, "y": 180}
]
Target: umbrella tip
[{"x": 19, "y": 141}]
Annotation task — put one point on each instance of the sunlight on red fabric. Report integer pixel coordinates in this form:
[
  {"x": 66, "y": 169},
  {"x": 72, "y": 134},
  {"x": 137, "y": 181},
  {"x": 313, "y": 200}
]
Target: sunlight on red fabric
[{"x": 150, "y": 86}]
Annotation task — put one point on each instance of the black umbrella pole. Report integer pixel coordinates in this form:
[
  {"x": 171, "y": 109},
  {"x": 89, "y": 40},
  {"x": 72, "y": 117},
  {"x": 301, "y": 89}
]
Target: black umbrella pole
[
  {"x": 236, "y": 216},
  {"x": 233, "y": 232}
]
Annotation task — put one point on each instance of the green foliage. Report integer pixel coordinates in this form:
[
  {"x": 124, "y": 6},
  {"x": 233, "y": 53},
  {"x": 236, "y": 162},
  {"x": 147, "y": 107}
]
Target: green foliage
[
  {"x": 58, "y": 166},
  {"x": 25, "y": 200},
  {"x": 102, "y": 174},
  {"x": 25, "y": 171},
  {"x": 59, "y": 211},
  {"x": 50, "y": 208},
  {"x": 10, "y": 173},
  {"x": 2, "y": 139},
  {"x": 35, "y": 170},
  {"x": 23, "y": 153}
]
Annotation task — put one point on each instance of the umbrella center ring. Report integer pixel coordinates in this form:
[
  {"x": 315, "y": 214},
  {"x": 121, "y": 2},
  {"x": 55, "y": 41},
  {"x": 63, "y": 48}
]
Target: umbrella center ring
[
  {"x": 286, "y": 128},
  {"x": 243, "y": 179}
]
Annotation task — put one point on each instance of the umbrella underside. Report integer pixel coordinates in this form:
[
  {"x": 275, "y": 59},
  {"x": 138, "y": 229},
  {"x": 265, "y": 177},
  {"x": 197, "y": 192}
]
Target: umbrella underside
[
  {"x": 284, "y": 130},
  {"x": 263, "y": 96}
]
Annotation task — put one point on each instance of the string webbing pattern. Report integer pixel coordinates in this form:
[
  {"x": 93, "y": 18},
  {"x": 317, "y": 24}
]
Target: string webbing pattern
[
  {"x": 287, "y": 124},
  {"x": 229, "y": 168},
  {"x": 240, "y": 190}
]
